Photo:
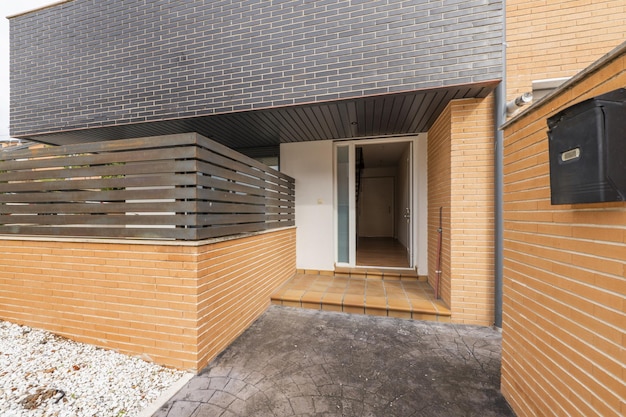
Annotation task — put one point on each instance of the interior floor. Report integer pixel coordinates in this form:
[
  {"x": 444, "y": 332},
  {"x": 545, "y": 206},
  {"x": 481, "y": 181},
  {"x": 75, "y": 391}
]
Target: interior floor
[{"x": 381, "y": 251}]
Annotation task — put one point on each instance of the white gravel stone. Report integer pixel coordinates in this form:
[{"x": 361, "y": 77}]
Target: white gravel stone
[{"x": 44, "y": 375}]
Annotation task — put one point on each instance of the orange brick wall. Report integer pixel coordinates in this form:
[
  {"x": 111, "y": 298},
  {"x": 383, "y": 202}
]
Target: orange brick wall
[
  {"x": 439, "y": 195},
  {"x": 473, "y": 211},
  {"x": 142, "y": 299},
  {"x": 558, "y": 38},
  {"x": 460, "y": 179},
  {"x": 564, "y": 321},
  {"x": 236, "y": 282}
]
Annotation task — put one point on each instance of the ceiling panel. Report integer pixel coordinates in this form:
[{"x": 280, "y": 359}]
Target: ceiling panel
[{"x": 381, "y": 115}]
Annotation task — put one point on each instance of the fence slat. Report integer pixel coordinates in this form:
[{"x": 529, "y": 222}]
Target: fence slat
[
  {"x": 145, "y": 143},
  {"x": 118, "y": 170},
  {"x": 152, "y": 193},
  {"x": 102, "y": 219},
  {"x": 156, "y": 180},
  {"x": 104, "y": 232},
  {"x": 40, "y": 165}
]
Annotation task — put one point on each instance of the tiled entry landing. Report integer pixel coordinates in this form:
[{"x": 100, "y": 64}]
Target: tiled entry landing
[{"x": 393, "y": 297}]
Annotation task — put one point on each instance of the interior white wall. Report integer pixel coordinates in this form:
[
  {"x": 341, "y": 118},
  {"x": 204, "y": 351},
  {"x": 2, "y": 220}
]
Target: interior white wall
[
  {"x": 311, "y": 165},
  {"x": 364, "y": 221},
  {"x": 376, "y": 207}
]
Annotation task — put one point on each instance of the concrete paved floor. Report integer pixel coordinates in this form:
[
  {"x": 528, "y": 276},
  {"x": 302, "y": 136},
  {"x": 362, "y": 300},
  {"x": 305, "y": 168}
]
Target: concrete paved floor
[{"x": 296, "y": 362}]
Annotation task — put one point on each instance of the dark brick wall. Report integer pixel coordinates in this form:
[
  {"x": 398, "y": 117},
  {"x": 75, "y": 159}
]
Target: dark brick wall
[{"x": 88, "y": 63}]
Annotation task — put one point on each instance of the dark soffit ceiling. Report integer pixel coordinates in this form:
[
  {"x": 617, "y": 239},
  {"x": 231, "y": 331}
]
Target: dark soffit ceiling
[{"x": 381, "y": 115}]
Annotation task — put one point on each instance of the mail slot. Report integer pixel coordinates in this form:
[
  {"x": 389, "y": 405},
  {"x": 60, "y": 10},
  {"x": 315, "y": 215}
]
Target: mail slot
[{"x": 587, "y": 145}]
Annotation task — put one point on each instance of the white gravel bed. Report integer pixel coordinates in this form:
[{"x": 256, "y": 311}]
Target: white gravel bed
[{"x": 44, "y": 375}]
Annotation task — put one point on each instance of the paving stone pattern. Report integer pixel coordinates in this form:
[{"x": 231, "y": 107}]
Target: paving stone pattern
[
  {"x": 296, "y": 362},
  {"x": 87, "y": 63}
]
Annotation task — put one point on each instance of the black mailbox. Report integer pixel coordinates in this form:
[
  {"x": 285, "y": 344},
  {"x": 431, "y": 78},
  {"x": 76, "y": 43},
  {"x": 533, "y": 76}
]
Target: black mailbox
[{"x": 587, "y": 143}]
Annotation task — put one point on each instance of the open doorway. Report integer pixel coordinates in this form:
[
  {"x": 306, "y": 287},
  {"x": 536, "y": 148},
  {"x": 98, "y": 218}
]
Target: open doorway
[{"x": 383, "y": 198}]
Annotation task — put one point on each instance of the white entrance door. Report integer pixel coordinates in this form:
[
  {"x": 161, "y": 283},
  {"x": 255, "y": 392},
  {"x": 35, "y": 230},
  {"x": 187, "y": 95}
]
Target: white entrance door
[{"x": 386, "y": 203}]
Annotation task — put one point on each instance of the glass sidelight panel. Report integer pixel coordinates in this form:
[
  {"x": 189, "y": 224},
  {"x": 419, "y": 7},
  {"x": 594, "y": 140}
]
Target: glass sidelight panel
[{"x": 343, "y": 204}]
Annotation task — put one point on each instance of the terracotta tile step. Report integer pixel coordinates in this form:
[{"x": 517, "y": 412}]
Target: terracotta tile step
[
  {"x": 350, "y": 306},
  {"x": 402, "y": 299}
]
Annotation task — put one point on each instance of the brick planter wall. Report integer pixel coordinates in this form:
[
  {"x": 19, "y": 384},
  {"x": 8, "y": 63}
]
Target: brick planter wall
[
  {"x": 177, "y": 305},
  {"x": 236, "y": 280}
]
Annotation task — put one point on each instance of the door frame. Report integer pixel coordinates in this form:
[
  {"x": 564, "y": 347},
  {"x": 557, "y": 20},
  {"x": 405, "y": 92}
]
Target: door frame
[{"x": 351, "y": 145}]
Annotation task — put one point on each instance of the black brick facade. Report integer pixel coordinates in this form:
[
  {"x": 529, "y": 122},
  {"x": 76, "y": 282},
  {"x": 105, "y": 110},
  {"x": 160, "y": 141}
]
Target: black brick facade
[{"x": 91, "y": 63}]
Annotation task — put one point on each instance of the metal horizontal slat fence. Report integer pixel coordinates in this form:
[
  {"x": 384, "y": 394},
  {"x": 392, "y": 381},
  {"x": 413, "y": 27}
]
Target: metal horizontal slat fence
[{"x": 182, "y": 187}]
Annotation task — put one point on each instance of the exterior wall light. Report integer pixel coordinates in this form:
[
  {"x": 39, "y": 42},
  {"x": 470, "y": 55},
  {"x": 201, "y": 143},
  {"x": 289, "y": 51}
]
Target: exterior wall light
[{"x": 514, "y": 105}]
